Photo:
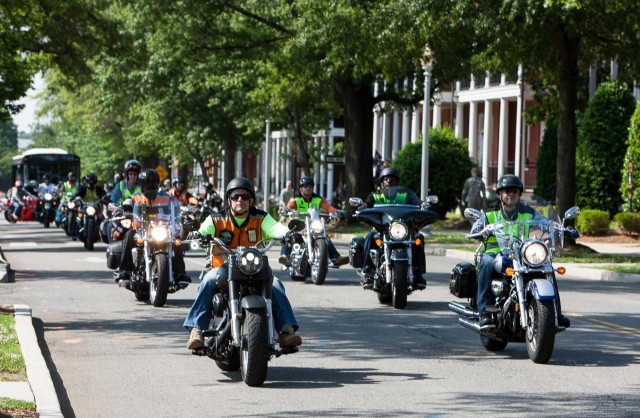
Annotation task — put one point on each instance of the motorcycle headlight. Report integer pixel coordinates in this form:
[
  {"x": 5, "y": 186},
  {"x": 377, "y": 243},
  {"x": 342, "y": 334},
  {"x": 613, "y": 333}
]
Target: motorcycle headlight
[
  {"x": 71, "y": 205},
  {"x": 126, "y": 223},
  {"x": 250, "y": 261},
  {"x": 48, "y": 196},
  {"x": 534, "y": 253},
  {"x": 398, "y": 230},
  {"x": 91, "y": 210},
  {"x": 316, "y": 226},
  {"x": 159, "y": 233}
]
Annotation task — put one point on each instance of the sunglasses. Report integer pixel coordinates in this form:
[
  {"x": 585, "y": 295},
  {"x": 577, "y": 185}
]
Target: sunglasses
[
  {"x": 236, "y": 196},
  {"x": 511, "y": 190}
]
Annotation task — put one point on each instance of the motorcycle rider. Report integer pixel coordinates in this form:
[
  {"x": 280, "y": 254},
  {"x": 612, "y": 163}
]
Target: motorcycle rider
[
  {"x": 129, "y": 185},
  {"x": 389, "y": 179},
  {"x": 150, "y": 195},
  {"x": 240, "y": 223},
  {"x": 67, "y": 191},
  {"x": 509, "y": 208},
  {"x": 17, "y": 198},
  {"x": 302, "y": 203},
  {"x": 88, "y": 191},
  {"x": 43, "y": 188},
  {"x": 180, "y": 192}
]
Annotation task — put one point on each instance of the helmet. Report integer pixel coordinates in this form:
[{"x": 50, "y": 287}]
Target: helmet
[
  {"x": 45, "y": 177},
  {"x": 91, "y": 179},
  {"x": 132, "y": 165},
  {"x": 240, "y": 183},
  {"x": 390, "y": 172},
  {"x": 306, "y": 181},
  {"x": 71, "y": 175},
  {"x": 117, "y": 178},
  {"x": 179, "y": 179},
  {"x": 509, "y": 180},
  {"x": 18, "y": 183},
  {"x": 208, "y": 187},
  {"x": 148, "y": 180}
]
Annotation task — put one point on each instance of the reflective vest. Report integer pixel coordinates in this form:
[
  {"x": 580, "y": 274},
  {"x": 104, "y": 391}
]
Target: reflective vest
[
  {"x": 303, "y": 206},
  {"x": 126, "y": 192},
  {"x": 525, "y": 213},
  {"x": 234, "y": 235},
  {"x": 68, "y": 188},
  {"x": 91, "y": 195}
]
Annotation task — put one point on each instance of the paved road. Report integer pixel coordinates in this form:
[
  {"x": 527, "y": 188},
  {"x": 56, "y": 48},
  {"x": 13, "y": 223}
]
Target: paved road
[{"x": 112, "y": 356}]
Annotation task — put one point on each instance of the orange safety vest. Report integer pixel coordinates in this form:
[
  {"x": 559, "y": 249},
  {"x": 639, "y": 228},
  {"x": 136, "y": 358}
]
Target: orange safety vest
[
  {"x": 235, "y": 236},
  {"x": 141, "y": 199}
]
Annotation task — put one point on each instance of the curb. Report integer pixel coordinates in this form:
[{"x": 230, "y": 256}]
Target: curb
[
  {"x": 574, "y": 271},
  {"x": 44, "y": 392}
]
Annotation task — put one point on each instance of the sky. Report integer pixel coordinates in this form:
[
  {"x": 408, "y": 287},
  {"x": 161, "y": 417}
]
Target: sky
[{"x": 27, "y": 117}]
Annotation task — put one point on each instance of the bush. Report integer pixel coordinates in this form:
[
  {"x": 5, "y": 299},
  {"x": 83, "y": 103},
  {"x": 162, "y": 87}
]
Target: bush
[
  {"x": 632, "y": 150},
  {"x": 449, "y": 166},
  {"x": 629, "y": 222},
  {"x": 593, "y": 222},
  {"x": 602, "y": 143}
]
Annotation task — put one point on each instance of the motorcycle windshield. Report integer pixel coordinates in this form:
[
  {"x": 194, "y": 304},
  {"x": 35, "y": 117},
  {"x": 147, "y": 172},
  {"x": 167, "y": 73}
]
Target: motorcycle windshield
[
  {"x": 168, "y": 213},
  {"x": 545, "y": 226},
  {"x": 397, "y": 195}
]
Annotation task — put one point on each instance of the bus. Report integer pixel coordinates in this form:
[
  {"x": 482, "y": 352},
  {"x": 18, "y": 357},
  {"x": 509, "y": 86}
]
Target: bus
[{"x": 33, "y": 163}]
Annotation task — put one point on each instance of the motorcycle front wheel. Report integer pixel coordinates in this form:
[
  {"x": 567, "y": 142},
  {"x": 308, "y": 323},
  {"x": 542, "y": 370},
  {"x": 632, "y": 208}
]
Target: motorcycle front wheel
[
  {"x": 541, "y": 332},
  {"x": 89, "y": 230},
  {"x": 320, "y": 261},
  {"x": 254, "y": 352},
  {"x": 159, "y": 283},
  {"x": 399, "y": 294},
  {"x": 47, "y": 218}
]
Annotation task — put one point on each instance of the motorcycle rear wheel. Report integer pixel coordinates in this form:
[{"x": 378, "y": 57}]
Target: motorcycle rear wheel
[
  {"x": 254, "y": 352},
  {"x": 319, "y": 266},
  {"x": 399, "y": 293},
  {"x": 541, "y": 332},
  {"x": 8, "y": 217},
  {"x": 159, "y": 283}
]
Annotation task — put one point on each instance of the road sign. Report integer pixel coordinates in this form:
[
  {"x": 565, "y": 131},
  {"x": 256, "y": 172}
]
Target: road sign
[{"x": 334, "y": 159}]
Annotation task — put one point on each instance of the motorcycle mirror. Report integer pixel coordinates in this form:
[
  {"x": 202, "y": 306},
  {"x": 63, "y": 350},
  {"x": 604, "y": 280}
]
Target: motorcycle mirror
[
  {"x": 432, "y": 200},
  {"x": 472, "y": 214},
  {"x": 296, "y": 225},
  {"x": 572, "y": 213},
  {"x": 355, "y": 201}
]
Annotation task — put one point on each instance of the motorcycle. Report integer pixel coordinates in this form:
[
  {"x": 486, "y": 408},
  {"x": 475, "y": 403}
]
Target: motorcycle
[
  {"x": 309, "y": 255},
  {"x": 47, "y": 206},
  {"x": 524, "y": 283},
  {"x": 242, "y": 334},
  {"x": 89, "y": 217},
  {"x": 69, "y": 212},
  {"x": 397, "y": 227},
  {"x": 27, "y": 211},
  {"x": 153, "y": 249}
]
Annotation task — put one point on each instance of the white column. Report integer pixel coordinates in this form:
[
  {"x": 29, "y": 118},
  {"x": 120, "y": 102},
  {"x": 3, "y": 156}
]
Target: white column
[
  {"x": 330, "y": 167},
  {"x": 376, "y": 120},
  {"x": 238, "y": 163},
  {"x": 278, "y": 162},
  {"x": 406, "y": 120},
  {"x": 267, "y": 167},
  {"x": 395, "y": 136},
  {"x": 437, "y": 110},
  {"x": 486, "y": 142},
  {"x": 503, "y": 144},
  {"x": 316, "y": 171},
  {"x": 614, "y": 69},
  {"x": 518, "y": 152},
  {"x": 323, "y": 170},
  {"x": 473, "y": 130},
  {"x": 386, "y": 136},
  {"x": 290, "y": 160}
]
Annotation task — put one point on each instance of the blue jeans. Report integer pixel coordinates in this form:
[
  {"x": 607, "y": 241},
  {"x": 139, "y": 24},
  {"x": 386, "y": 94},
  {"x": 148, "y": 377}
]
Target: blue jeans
[
  {"x": 485, "y": 295},
  {"x": 199, "y": 315}
]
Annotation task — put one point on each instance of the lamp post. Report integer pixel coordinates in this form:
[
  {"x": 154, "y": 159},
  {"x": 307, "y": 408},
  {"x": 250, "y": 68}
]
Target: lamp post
[{"x": 427, "y": 65}]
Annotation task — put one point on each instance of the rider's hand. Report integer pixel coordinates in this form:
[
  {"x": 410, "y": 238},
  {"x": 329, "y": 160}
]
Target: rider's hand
[{"x": 341, "y": 215}]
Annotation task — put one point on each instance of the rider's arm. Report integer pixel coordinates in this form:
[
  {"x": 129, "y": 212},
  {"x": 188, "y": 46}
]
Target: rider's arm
[
  {"x": 272, "y": 228},
  {"x": 116, "y": 195},
  {"x": 324, "y": 205},
  {"x": 207, "y": 227},
  {"x": 370, "y": 201},
  {"x": 191, "y": 199},
  {"x": 292, "y": 204}
]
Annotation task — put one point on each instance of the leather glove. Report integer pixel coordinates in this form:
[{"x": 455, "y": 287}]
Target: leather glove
[{"x": 341, "y": 215}]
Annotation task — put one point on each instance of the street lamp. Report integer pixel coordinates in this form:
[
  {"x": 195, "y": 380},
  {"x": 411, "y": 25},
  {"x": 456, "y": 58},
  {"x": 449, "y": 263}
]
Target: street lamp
[{"x": 427, "y": 66}]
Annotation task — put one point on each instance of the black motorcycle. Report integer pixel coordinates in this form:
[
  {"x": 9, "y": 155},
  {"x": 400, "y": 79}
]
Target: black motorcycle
[
  {"x": 89, "y": 216},
  {"x": 242, "y": 334},
  {"x": 69, "y": 213},
  {"x": 397, "y": 227},
  {"x": 47, "y": 206}
]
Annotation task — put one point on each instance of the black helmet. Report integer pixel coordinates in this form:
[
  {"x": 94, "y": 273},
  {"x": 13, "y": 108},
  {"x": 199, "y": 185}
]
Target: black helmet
[
  {"x": 179, "y": 179},
  {"x": 132, "y": 165},
  {"x": 509, "y": 180},
  {"x": 91, "y": 179},
  {"x": 45, "y": 177},
  {"x": 306, "y": 181},
  {"x": 149, "y": 180},
  {"x": 71, "y": 176},
  {"x": 117, "y": 178},
  {"x": 240, "y": 183},
  {"x": 390, "y": 172}
]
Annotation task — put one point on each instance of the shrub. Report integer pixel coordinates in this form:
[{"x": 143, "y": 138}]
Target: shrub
[
  {"x": 449, "y": 166},
  {"x": 629, "y": 222},
  {"x": 633, "y": 150},
  {"x": 602, "y": 143},
  {"x": 593, "y": 222}
]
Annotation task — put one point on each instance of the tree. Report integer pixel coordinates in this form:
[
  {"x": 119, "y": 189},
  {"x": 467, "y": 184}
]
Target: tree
[
  {"x": 602, "y": 144},
  {"x": 8, "y": 148}
]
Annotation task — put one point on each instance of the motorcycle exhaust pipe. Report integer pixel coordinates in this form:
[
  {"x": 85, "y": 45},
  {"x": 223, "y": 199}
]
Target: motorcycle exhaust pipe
[
  {"x": 472, "y": 325},
  {"x": 463, "y": 310}
]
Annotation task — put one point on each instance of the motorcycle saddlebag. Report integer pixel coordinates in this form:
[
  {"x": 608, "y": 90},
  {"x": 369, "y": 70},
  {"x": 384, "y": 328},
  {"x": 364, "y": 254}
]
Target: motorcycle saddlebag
[
  {"x": 463, "y": 282},
  {"x": 356, "y": 251},
  {"x": 114, "y": 254}
]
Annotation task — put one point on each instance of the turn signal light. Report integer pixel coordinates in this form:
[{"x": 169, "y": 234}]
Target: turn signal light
[
  {"x": 329, "y": 235},
  {"x": 379, "y": 242},
  {"x": 140, "y": 240},
  {"x": 509, "y": 271},
  {"x": 561, "y": 270},
  {"x": 418, "y": 241},
  {"x": 178, "y": 242}
]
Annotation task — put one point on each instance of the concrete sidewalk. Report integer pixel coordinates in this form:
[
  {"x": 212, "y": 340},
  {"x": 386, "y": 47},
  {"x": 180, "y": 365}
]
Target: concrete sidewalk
[{"x": 39, "y": 388}]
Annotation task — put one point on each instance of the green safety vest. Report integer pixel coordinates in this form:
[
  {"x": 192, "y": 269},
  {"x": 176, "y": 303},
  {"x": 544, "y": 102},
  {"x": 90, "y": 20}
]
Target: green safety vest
[
  {"x": 67, "y": 188},
  {"x": 91, "y": 195},
  {"x": 125, "y": 192},
  {"x": 303, "y": 206},
  {"x": 525, "y": 213}
]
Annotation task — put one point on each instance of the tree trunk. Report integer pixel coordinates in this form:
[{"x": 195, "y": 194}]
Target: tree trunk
[
  {"x": 229, "y": 157},
  {"x": 358, "y": 107},
  {"x": 567, "y": 131},
  {"x": 302, "y": 154}
]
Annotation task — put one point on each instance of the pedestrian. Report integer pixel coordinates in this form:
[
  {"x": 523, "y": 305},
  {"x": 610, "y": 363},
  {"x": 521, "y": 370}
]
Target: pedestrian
[
  {"x": 338, "y": 198},
  {"x": 474, "y": 193}
]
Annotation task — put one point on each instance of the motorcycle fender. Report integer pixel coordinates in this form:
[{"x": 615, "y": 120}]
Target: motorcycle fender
[
  {"x": 541, "y": 289},
  {"x": 399, "y": 255},
  {"x": 253, "y": 302}
]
